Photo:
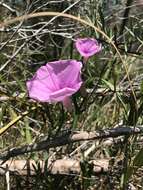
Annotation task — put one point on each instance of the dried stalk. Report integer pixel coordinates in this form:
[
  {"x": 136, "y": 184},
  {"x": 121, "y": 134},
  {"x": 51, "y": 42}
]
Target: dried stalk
[{"x": 61, "y": 166}]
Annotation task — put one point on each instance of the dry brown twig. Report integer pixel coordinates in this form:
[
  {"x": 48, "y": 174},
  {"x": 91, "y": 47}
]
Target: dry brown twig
[{"x": 69, "y": 138}]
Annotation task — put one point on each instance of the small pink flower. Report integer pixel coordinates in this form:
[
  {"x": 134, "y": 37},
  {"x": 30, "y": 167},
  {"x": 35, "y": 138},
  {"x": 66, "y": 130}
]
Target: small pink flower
[
  {"x": 56, "y": 82},
  {"x": 87, "y": 47}
]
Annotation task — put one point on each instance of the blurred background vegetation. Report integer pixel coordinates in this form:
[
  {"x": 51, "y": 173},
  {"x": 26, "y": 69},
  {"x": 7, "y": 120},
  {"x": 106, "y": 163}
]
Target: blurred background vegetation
[{"x": 27, "y": 45}]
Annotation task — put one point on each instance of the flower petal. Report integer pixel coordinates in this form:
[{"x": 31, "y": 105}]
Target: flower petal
[
  {"x": 67, "y": 72},
  {"x": 42, "y": 84},
  {"x": 61, "y": 94}
]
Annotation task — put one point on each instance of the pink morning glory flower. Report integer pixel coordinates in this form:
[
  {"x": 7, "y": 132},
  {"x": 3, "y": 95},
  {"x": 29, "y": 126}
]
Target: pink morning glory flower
[
  {"x": 56, "y": 82},
  {"x": 87, "y": 47}
]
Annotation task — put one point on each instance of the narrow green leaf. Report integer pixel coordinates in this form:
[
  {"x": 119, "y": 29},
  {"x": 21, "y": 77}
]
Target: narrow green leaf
[
  {"x": 108, "y": 84},
  {"x": 27, "y": 132},
  {"x": 138, "y": 160}
]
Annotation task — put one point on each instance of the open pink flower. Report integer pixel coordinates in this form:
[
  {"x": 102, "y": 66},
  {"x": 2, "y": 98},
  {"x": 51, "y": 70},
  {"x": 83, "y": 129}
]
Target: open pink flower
[
  {"x": 87, "y": 47},
  {"x": 56, "y": 82}
]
